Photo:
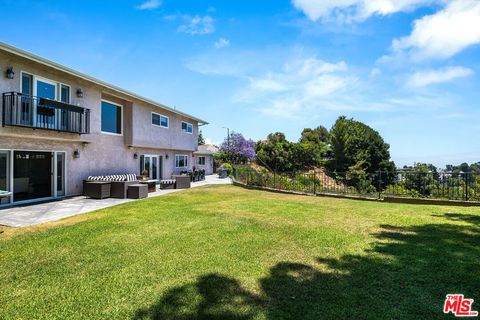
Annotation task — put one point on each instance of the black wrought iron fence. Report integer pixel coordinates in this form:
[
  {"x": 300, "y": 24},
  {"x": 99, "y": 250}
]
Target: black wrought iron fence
[{"x": 445, "y": 185}]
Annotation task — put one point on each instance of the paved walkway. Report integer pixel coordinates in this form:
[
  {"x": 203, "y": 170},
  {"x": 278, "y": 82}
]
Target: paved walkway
[{"x": 55, "y": 210}]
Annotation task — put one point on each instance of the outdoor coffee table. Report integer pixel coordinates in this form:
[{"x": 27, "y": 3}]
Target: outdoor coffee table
[{"x": 152, "y": 184}]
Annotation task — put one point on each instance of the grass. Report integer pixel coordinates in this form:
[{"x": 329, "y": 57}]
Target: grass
[{"x": 221, "y": 252}]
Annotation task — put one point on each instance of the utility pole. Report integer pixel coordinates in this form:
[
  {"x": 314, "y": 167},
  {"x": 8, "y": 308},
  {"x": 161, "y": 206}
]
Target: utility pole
[{"x": 228, "y": 135}]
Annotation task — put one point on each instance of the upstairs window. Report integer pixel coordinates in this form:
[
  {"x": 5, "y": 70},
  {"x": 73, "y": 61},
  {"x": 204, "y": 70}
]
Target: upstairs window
[
  {"x": 159, "y": 120},
  {"x": 64, "y": 93},
  {"x": 111, "y": 118},
  {"x": 187, "y": 127}
]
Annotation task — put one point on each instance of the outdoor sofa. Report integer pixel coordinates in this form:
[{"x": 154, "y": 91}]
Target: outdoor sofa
[{"x": 115, "y": 186}]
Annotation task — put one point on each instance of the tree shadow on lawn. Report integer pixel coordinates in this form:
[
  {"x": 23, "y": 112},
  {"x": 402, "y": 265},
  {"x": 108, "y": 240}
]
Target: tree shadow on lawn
[{"x": 406, "y": 274}]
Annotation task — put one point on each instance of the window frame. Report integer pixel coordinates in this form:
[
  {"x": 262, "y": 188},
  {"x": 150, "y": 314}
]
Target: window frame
[
  {"x": 46, "y": 81},
  {"x": 60, "y": 84},
  {"x": 204, "y": 160},
  {"x": 160, "y": 125},
  {"x": 121, "y": 121},
  {"x": 185, "y": 160},
  {"x": 187, "y": 123}
]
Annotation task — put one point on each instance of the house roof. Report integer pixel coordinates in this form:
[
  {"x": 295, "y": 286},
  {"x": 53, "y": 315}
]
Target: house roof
[
  {"x": 57, "y": 66},
  {"x": 207, "y": 149}
]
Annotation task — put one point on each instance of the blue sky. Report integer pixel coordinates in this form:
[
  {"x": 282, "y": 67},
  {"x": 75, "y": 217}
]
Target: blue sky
[{"x": 408, "y": 68}]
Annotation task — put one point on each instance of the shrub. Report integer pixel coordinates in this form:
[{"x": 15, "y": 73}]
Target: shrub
[{"x": 229, "y": 168}]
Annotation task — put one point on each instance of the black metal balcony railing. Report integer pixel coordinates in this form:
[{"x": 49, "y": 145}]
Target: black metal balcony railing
[{"x": 40, "y": 113}]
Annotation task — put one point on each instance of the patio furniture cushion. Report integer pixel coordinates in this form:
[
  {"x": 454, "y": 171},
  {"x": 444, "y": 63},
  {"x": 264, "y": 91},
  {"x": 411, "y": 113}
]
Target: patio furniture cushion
[
  {"x": 94, "y": 178},
  {"x": 114, "y": 177},
  {"x": 131, "y": 177}
]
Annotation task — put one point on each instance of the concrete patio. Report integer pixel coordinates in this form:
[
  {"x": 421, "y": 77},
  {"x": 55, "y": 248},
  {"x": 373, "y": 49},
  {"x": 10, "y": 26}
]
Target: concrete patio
[{"x": 23, "y": 216}]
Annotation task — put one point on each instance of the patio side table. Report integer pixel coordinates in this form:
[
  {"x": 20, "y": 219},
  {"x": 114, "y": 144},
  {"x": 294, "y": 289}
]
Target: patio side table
[
  {"x": 152, "y": 184},
  {"x": 137, "y": 191}
]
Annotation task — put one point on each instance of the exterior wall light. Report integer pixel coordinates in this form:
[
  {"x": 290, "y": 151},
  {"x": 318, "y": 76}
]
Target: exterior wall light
[
  {"x": 79, "y": 93},
  {"x": 76, "y": 154},
  {"x": 166, "y": 156},
  {"x": 10, "y": 74},
  {"x": 135, "y": 156}
]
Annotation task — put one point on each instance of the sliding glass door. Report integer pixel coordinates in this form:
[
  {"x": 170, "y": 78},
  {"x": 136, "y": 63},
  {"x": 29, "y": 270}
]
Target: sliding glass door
[
  {"x": 4, "y": 176},
  {"x": 60, "y": 173},
  {"x": 32, "y": 175},
  {"x": 149, "y": 166},
  {"x": 26, "y": 176}
]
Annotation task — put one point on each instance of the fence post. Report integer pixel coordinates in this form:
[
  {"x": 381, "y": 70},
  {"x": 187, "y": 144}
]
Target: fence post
[
  {"x": 466, "y": 186},
  {"x": 379, "y": 184},
  {"x": 275, "y": 179},
  {"x": 314, "y": 182}
]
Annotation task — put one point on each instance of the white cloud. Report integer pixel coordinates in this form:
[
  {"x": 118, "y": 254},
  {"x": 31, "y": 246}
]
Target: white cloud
[
  {"x": 355, "y": 10},
  {"x": 301, "y": 85},
  {"x": 149, "y": 5},
  {"x": 212, "y": 142},
  {"x": 197, "y": 25},
  {"x": 222, "y": 43},
  {"x": 375, "y": 72},
  {"x": 427, "y": 77},
  {"x": 442, "y": 34}
]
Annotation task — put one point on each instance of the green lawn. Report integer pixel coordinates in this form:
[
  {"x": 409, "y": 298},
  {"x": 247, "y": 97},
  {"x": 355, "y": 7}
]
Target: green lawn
[{"x": 224, "y": 252}]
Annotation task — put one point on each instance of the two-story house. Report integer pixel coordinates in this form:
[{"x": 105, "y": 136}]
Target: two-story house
[{"x": 59, "y": 126}]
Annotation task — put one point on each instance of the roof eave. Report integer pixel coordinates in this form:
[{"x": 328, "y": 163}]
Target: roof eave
[{"x": 57, "y": 66}]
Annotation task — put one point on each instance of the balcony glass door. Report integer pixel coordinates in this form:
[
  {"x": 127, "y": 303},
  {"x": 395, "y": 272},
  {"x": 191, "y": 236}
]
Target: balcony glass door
[
  {"x": 26, "y": 116},
  {"x": 46, "y": 115}
]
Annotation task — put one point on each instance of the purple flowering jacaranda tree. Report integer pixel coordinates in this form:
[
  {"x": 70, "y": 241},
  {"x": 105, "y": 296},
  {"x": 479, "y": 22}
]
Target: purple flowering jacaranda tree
[{"x": 238, "y": 149}]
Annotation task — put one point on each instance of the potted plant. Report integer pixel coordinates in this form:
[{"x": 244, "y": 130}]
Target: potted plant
[{"x": 145, "y": 174}]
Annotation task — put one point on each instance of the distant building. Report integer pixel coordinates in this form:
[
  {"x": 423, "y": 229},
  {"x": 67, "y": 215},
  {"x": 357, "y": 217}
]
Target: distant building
[{"x": 204, "y": 158}]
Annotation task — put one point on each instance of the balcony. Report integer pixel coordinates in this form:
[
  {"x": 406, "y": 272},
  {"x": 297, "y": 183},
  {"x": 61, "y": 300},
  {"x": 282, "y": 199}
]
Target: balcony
[{"x": 39, "y": 113}]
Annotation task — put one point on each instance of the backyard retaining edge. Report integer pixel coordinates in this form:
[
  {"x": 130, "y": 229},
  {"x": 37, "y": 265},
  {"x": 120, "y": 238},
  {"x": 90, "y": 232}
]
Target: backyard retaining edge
[{"x": 388, "y": 199}]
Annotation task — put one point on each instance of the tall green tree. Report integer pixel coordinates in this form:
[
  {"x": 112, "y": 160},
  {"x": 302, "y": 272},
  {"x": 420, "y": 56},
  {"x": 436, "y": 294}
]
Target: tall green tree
[
  {"x": 421, "y": 178},
  {"x": 356, "y": 145},
  {"x": 318, "y": 135},
  {"x": 275, "y": 152},
  {"x": 201, "y": 140}
]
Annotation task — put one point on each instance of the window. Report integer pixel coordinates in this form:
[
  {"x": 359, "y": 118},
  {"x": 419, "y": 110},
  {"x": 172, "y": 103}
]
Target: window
[
  {"x": 187, "y": 127},
  {"x": 201, "y": 161},
  {"x": 46, "y": 89},
  {"x": 111, "y": 118},
  {"x": 64, "y": 93},
  {"x": 181, "y": 161},
  {"x": 27, "y": 84},
  {"x": 159, "y": 120}
]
